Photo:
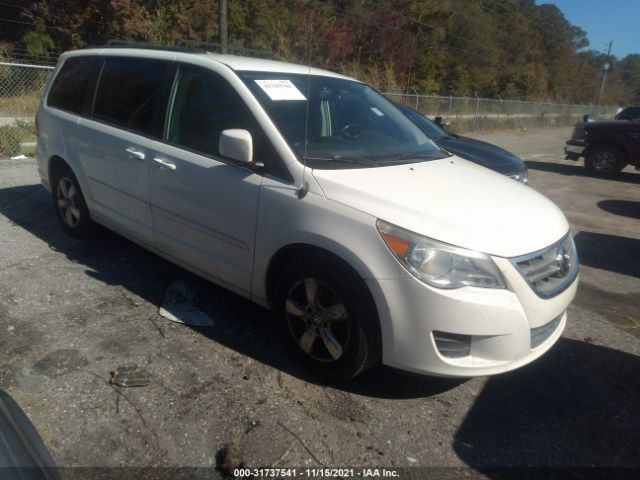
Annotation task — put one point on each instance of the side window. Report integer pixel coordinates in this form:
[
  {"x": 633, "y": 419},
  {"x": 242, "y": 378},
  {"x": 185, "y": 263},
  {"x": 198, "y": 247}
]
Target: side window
[
  {"x": 72, "y": 84},
  {"x": 203, "y": 105},
  {"x": 129, "y": 93}
]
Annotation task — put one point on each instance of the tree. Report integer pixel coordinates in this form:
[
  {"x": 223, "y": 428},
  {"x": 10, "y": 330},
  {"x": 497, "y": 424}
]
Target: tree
[{"x": 512, "y": 48}]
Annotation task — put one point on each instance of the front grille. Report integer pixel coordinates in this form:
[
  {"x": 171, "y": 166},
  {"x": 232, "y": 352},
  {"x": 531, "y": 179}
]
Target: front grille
[
  {"x": 540, "y": 334},
  {"x": 452, "y": 345},
  {"x": 551, "y": 270}
]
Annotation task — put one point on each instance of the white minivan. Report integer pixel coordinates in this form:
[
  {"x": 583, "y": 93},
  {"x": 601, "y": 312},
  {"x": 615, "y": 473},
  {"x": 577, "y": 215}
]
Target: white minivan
[{"x": 311, "y": 194}]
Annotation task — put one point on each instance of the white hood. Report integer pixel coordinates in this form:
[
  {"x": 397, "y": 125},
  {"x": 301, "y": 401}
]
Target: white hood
[{"x": 453, "y": 201}]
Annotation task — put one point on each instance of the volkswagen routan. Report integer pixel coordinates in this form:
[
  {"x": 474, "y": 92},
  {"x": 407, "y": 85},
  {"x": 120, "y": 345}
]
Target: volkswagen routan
[{"x": 312, "y": 195}]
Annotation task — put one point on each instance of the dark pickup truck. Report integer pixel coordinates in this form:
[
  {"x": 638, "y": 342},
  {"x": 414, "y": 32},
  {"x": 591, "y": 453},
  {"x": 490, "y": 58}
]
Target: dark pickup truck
[{"x": 607, "y": 147}]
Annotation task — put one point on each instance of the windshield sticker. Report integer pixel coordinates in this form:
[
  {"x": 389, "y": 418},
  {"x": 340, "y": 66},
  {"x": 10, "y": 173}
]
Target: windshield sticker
[
  {"x": 280, "y": 90},
  {"x": 377, "y": 112}
]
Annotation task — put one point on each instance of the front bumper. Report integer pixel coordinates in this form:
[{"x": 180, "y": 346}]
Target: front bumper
[
  {"x": 574, "y": 149},
  {"x": 505, "y": 329}
]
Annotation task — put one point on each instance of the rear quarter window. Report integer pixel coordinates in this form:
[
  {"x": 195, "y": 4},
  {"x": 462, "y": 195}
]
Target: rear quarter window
[
  {"x": 129, "y": 93},
  {"x": 72, "y": 86}
]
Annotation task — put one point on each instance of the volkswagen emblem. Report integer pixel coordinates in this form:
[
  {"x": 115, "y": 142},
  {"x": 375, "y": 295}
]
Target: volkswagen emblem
[{"x": 563, "y": 259}]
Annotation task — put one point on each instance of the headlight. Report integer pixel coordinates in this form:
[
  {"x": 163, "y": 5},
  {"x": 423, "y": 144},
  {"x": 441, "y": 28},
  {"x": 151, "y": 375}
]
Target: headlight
[
  {"x": 578, "y": 134},
  {"x": 522, "y": 177},
  {"x": 438, "y": 264}
]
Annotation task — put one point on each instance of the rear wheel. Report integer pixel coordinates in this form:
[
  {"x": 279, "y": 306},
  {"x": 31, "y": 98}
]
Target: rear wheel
[
  {"x": 328, "y": 318},
  {"x": 69, "y": 204},
  {"x": 605, "y": 160}
]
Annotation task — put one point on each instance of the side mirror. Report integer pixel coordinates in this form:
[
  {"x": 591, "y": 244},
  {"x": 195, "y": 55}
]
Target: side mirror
[{"x": 236, "y": 144}]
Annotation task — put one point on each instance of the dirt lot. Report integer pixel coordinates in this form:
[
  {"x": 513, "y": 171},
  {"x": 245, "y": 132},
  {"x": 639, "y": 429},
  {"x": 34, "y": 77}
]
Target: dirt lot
[{"x": 72, "y": 311}]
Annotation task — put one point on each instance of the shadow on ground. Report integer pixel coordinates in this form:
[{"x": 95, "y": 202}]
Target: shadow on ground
[
  {"x": 576, "y": 406},
  {"x": 579, "y": 170},
  {"x": 609, "y": 252},
  {"x": 239, "y": 324},
  {"x": 624, "y": 208}
]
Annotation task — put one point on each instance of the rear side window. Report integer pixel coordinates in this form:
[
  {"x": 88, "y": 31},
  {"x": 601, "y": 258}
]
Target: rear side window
[
  {"x": 629, "y": 114},
  {"x": 129, "y": 93},
  {"x": 73, "y": 83}
]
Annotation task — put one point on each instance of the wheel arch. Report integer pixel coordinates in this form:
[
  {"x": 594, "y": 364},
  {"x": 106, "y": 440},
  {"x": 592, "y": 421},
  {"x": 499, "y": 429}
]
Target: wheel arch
[
  {"x": 55, "y": 163},
  {"x": 286, "y": 254},
  {"x": 607, "y": 143}
]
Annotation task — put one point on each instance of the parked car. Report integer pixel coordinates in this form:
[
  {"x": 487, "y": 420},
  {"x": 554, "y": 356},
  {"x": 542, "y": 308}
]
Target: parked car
[
  {"x": 607, "y": 147},
  {"x": 23, "y": 454},
  {"x": 311, "y": 194},
  {"x": 476, "y": 151},
  {"x": 629, "y": 113}
]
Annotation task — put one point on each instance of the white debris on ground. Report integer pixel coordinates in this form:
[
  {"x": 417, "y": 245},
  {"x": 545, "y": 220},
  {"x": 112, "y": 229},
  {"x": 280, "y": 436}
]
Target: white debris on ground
[{"x": 178, "y": 306}]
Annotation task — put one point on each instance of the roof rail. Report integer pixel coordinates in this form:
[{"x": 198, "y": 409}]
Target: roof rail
[
  {"x": 217, "y": 48},
  {"x": 189, "y": 46},
  {"x": 115, "y": 43}
]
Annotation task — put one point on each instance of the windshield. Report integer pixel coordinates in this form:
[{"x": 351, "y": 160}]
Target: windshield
[
  {"x": 430, "y": 129},
  {"x": 349, "y": 123}
]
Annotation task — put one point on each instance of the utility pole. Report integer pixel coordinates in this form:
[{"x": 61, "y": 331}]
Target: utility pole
[
  {"x": 605, "y": 67},
  {"x": 223, "y": 25}
]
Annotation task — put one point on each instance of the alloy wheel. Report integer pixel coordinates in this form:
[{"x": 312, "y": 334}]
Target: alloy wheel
[
  {"x": 317, "y": 319},
  {"x": 604, "y": 161},
  {"x": 66, "y": 196}
]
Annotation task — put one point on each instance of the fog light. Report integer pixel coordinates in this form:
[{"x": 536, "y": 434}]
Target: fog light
[{"x": 452, "y": 345}]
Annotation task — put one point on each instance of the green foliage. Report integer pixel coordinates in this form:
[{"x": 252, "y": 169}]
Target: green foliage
[
  {"x": 38, "y": 41},
  {"x": 511, "y": 48},
  {"x": 630, "y": 70}
]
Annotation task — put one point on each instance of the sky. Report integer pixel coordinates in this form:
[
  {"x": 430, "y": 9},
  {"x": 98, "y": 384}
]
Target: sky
[{"x": 605, "y": 21}]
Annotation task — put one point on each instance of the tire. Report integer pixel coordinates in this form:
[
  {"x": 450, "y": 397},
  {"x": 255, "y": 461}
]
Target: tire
[
  {"x": 604, "y": 160},
  {"x": 328, "y": 317},
  {"x": 68, "y": 203}
]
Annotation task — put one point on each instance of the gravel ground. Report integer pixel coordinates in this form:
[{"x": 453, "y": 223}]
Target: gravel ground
[{"x": 72, "y": 311}]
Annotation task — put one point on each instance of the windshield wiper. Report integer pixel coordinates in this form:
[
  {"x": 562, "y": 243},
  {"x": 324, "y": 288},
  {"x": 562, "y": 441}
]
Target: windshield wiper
[
  {"x": 416, "y": 156},
  {"x": 344, "y": 159}
]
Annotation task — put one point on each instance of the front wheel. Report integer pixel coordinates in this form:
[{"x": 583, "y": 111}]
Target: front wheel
[
  {"x": 604, "y": 161},
  {"x": 328, "y": 318}
]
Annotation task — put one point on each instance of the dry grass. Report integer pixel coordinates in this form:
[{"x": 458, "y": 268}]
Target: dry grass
[{"x": 20, "y": 105}]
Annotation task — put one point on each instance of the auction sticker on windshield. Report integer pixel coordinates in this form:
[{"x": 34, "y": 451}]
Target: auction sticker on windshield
[{"x": 280, "y": 90}]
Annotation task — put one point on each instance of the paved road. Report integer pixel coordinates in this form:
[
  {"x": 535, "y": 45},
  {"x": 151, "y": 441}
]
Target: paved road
[{"x": 72, "y": 311}]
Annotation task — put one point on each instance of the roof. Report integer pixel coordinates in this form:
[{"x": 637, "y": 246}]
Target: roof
[
  {"x": 235, "y": 62},
  {"x": 239, "y": 63}
]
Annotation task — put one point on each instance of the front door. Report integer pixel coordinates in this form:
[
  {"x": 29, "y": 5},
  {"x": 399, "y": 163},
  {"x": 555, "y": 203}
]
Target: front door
[{"x": 204, "y": 206}]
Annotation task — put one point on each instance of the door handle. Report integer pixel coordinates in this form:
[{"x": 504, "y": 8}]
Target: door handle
[
  {"x": 135, "y": 153},
  {"x": 164, "y": 163}
]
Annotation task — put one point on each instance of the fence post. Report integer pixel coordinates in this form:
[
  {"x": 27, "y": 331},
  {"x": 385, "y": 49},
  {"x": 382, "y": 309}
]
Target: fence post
[
  {"x": 533, "y": 114},
  {"x": 499, "y": 110},
  {"x": 475, "y": 117},
  {"x": 450, "y": 102}
]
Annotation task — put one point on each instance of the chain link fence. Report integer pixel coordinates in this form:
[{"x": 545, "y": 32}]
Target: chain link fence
[
  {"x": 21, "y": 87},
  {"x": 474, "y": 114}
]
